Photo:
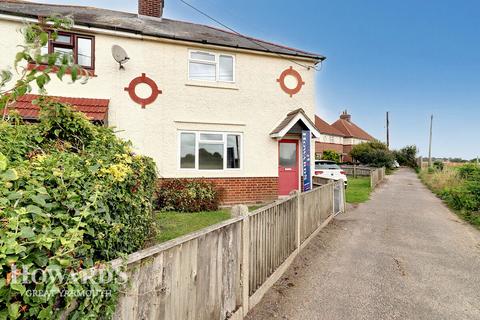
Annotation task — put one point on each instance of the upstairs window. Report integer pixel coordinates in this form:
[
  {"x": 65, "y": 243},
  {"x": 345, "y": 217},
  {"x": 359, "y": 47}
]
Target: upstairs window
[
  {"x": 79, "y": 47},
  {"x": 214, "y": 67},
  {"x": 210, "y": 151}
]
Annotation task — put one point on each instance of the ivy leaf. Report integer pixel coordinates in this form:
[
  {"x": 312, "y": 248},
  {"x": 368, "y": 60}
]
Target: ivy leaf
[
  {"x": 61, "y": 71},
  {"x": 43, "y": 38},
  {"x": 40, "y": 199},
  {"x": 27, "y": 233},
  {"x": 2, "y": 283},
  {"x": 10, "y": 175},
  {"x": 17, "y": 286},
  {"x": 13, "y": 310},
  {"x": 41, "y": 80},
  {"x": 34, "y": 209},
  {"x": 45, "y": 313},
  {"x": 3, "y": 162}
]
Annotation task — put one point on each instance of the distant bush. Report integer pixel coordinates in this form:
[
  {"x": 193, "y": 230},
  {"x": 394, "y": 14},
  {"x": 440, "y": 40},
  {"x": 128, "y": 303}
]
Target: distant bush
[
  {"x": 187, "y": 196},
  {"x": 374, "y": 153},
  {"x": 438, "y": 165},
  {"x": 407, "y": 156},
  {"x": 331, "y": 155}
]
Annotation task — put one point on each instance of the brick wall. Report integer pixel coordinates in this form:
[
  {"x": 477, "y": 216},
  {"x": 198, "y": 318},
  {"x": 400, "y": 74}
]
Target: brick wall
[
  {"x": 322, "y": 146},
  {"x": 152, "y": 8},
  {"x": 346, "y": 150},
  {"x": 245, "y": 190}
]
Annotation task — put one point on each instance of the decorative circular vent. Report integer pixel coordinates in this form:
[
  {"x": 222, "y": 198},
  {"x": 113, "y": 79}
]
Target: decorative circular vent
[
  {"x": 291, "y": 81},
  {"x": 143, "y": 79}
]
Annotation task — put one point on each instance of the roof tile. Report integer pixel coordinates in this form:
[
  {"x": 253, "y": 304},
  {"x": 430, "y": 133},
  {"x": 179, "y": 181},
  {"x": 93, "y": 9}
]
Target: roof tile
[{"x": 94, "y": 109}]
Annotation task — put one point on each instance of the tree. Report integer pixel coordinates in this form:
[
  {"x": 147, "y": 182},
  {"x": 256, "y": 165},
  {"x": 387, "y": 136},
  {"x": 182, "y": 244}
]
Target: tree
[
  {"x": 35, "y": 37},
  {"x": 407, "y": 156},
  {"x": 373, "y": 153},
  {"x": 331, "y": 155}
]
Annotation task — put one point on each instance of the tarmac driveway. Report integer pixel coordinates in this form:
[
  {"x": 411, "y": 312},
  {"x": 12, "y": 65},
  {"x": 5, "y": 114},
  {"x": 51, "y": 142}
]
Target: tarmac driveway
[{"x": 402, "y": 255}]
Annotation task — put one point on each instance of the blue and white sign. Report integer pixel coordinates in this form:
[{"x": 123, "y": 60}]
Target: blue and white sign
[{"x": 306, "y": 160}]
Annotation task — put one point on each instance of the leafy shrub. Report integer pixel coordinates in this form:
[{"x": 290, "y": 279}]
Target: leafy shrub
[
  {"x": 459, "y": 188},
  {"x": 407, "y": 156},
  {"x": 187, "y": 196},
  {"x": 331, "y": 155},
  {"x": 71, "y": 195},
  {"x": 438, "y": 165},
  {"x": 374, "y": 153}
]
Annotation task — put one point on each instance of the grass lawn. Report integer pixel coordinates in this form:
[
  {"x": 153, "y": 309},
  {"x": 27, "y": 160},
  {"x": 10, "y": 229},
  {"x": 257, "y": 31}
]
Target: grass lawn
[
  {"x": 358, "y": 190},
  {"x": 172, "y": 225}
]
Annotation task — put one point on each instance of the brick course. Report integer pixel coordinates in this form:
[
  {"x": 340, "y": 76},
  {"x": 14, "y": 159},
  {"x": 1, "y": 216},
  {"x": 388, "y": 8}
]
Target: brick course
[
  {"x": 245, "y": 190},
  {"x": 151, "y": 8}
]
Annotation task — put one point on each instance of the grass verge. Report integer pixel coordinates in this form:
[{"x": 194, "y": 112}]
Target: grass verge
[
  {"x": 358, "y": 190},
  {"x": 173, "y": 224}
]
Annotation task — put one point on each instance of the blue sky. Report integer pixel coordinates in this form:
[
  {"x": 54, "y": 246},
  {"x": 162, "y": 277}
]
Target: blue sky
[{"x": 410, "y": 57}]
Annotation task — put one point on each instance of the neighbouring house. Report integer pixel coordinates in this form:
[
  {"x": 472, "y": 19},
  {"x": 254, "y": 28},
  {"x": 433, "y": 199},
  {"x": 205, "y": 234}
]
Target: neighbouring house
[
  {"x": 340, "y": 136},
  {"x": 203, "y": 102},
  {"x": 330, "y": 139},
  {"x": 352, "y": 134}
]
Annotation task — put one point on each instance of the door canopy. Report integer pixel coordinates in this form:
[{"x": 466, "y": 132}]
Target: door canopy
[{"x": 295, "y": 117}]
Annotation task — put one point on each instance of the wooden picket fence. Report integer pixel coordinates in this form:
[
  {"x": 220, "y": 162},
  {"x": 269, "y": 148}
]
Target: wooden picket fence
[
  {"x": 376, "y": 174},
  {"x": 222, "y": 271}
]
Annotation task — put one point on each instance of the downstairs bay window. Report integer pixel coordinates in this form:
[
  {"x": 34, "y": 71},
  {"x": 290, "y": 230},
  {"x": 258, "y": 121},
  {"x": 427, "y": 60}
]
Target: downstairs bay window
[{"x": 210, "y": 150}]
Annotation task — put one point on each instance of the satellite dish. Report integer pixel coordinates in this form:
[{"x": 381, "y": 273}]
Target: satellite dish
[{"x": 120, "y": 55}]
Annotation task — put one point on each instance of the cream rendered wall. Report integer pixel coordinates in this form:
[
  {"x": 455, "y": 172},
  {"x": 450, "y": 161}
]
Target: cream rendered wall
[
  {"x": 254, "y": 105},
  {"x": 327, "y": 138},
  {"x": 353, "y": 141}
]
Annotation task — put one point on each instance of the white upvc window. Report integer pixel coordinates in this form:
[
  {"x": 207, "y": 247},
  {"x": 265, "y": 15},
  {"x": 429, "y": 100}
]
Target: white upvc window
[
  {"x": 209, "y": 66},
  {"x": 205, "y": 150}
]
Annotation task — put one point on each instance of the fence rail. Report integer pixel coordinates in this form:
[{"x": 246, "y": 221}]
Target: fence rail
[
  {"x": 376, "y": 174},
  {"x": 222, "y": 271}
]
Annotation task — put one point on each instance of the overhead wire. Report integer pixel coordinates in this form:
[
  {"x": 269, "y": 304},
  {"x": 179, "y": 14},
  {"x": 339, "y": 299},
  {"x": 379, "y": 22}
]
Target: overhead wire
[{"x": 258, "y": 43}]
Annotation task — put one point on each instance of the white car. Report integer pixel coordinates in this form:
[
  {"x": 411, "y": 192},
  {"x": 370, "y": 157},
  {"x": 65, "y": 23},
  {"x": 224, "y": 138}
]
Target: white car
[{"x": 330, "y": 170}]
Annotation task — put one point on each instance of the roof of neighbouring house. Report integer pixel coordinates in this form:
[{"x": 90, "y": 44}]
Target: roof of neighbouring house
[
  {"x": 156, "y": 27},
  {"x": 326, "y": 128},
  {"x": 351, "y": 130},
  {"x": 94, "y": 109},
  {"x": 290, "y": 120}
]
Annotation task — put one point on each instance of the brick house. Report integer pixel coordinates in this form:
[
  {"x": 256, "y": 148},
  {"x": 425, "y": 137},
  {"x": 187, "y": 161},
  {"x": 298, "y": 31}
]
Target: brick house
[
  {"x": 203, "y": 102},
  {"x": 330, "y": 139},
  {"x": 340, "y": 136},
  {"x": 352, "y": 134}
]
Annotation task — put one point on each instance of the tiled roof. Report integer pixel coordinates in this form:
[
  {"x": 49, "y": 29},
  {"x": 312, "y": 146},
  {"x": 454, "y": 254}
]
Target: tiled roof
[
  {"x": 161, "y": 28},
  {"x": 325, "y": 128},
  {"x": 94, "y": 109},
  {"x": 351, "y": 130},
  {"x": 290, "y": 117}
]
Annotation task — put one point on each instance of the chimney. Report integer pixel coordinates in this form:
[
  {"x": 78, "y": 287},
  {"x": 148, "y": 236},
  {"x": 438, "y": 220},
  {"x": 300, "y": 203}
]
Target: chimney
[
  {"x": 150, "y": 8},
  {"x": 346, "y": 116}
]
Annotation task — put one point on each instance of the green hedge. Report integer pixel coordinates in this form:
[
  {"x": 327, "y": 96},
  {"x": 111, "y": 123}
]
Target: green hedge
[{"x": 71, "y": 195}]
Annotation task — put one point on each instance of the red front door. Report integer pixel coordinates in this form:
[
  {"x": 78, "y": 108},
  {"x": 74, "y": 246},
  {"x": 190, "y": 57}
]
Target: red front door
[{"x": 287, "y": 166}]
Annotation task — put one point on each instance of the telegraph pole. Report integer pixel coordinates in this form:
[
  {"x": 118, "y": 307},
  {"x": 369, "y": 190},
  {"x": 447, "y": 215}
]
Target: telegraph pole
[
  {"x": 430, "y": 143},
  {"x": 388, "y": 130}
]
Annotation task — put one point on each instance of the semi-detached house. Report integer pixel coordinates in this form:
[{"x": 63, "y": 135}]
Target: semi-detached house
[
  {"x": 340, "y": 136},
  {"x": 203, "y": 102}
]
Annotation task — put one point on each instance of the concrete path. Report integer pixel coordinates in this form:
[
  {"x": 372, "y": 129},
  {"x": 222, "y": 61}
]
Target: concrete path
[{"x": 402, "y": 255}]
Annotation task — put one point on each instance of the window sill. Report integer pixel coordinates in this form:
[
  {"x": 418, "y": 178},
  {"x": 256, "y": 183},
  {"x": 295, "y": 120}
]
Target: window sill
[
  {"x": 31, "y": 66},
  {"x": 214, "y": 85}
]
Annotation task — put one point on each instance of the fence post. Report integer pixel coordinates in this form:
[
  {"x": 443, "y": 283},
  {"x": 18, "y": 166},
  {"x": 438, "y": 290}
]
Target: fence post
[
  {"x": 334, "y": 184},
  {"x": 299, "y": 217},
  {"x": 242, "y": 210}
]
